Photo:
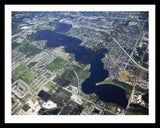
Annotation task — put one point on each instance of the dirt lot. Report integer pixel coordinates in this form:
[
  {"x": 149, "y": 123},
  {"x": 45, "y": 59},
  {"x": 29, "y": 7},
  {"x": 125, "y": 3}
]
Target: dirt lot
[{"x": 126, "y": 77}]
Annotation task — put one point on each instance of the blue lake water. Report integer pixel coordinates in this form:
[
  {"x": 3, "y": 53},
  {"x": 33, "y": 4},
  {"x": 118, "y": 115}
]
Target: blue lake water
[{"x": 105, "y": 92}]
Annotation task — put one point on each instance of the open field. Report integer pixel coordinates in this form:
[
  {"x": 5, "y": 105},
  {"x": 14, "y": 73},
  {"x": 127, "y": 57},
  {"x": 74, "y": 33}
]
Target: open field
[
  {"x": 50, "y": 85},
  {"x": 22, "y": 72},
  {"x": 126, "y": 77},
  {"x": 56, "y": 64}
]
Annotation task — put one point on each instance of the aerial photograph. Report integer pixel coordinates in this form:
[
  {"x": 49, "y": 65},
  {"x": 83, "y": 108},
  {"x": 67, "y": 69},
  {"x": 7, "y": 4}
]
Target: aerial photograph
[{"x": 80, "y": 63}]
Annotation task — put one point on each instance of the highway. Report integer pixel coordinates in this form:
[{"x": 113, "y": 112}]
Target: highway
[
  {"x": 132, "y": 94},
  {"x": 141, "y": 67},
  {"x": 145, "y": 69}
]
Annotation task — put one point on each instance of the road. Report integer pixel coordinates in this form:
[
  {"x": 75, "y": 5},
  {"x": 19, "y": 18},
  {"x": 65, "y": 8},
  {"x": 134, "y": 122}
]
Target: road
[
  {"x": 79, "y": 91},
  {"x": 129, "y": 101},
  {"x": 75, "y": 74},
  {"x": 138, "y": 41},
  {"x": 89, "y": 101},
  {"x": 96, "y": 29},
  {"x": 145, "y": 69}
]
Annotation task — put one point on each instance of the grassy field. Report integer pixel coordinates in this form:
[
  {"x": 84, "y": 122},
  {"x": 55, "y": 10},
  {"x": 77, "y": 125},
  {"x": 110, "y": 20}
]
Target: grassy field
[
  {"x": 50, "y": 85},
  {"x": 83, "y": 74},
  {"x": 137, "y": 110},
  {"x": 29, "y": 76},
  {"x": 19, "y": 71},
  {"x": 66, "y": 92},
  {"x": 26, "y": 48},
  {"x": 22, "y": 72},
  {"x": 126, "y": 77},
  {"x": 56, "y": 64},
  {"x": 31, "y": 64},
  {"x": 141, "y": 89},
  {"x": 25, "y": 107},
  {"x": 107, "y": 113}
]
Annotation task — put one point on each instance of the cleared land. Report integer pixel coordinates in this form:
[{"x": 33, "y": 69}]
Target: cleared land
[{"x": 126, "y": 77}]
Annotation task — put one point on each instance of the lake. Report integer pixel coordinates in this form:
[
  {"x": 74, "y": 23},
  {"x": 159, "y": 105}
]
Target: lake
[{"x": 105, "y": 92}]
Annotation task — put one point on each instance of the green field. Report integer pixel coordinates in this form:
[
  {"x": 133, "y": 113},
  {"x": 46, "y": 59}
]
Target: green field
[
  {"x": 26, "y": 48},
  {"x": 83, "y": 74},
  {"x": 18, "y": 72},
  {"x": 56, "y": 64},
  {"x": 29, "y": 76},
  {"x": 50, "y": 85},
  {"x": 29, "y": 50},
  {"x": 22, "y": 72},
  {"x": 137, "y": 110},
  {"x": 107, "y": 113},
  {"x": 25, "y": 107},
  {"x": 66, "y": 92},
  {"x": 31, "y": 64},
  {"x": 137, "y": 88}
]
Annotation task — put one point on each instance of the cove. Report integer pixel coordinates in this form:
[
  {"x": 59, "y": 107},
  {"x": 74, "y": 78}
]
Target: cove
[{"x": 105, "y": 92}]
